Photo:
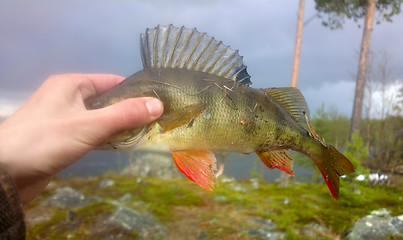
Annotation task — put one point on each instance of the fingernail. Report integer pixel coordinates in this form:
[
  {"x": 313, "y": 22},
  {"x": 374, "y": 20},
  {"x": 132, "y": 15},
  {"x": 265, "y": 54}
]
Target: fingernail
[{"x": 154, "y": 107}]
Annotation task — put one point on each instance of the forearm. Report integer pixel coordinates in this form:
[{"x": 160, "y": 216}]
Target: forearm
[{"x": 27, "y": 155}]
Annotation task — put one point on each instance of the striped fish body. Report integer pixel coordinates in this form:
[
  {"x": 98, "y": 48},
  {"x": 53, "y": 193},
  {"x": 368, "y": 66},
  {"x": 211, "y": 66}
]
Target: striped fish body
[
  {"x": 235, "y": 117},
  {"x": 209, "y": 106}
]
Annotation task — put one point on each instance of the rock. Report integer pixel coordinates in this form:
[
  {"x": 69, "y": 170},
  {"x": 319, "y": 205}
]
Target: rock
[
  {"x": 266, "y": 223},
  {"x": 153, "y": 165},
  {"x": 239, "y": 188},
  {"x": 378, "y": 225},
  {"x": 67, "y": 197},
  {"x": 95, "y": 198},
  {"x": 360, "y": 177},
  {"x": 227, "y": 180},
  {"x": 131, "y": 220},
  {"x": 203, "y": 235},
  {"x": 285, "y": 201},
  {"x": 378, "y": 178},
  {"x": 126, "y": 197},
  {"x": 381, "y": 213},
  {"x": 266, "y": 230},
  {"x": 220, "y": 198},
  {"x": 314, "y": 230},
  {"x": 266, "y": 234},
  {"x": 106, "y": 183},
  {"x": 397, "y": 222},
  {"x": 255, "y": 183}
]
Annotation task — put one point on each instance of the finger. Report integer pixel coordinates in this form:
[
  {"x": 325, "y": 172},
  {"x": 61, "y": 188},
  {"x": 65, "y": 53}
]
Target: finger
[
  {"x": 87, "y": 84},
  {"x": 103, "y": 82},
  {"x": 93, "y": 84},
  {"x": 127, "y": 114}
]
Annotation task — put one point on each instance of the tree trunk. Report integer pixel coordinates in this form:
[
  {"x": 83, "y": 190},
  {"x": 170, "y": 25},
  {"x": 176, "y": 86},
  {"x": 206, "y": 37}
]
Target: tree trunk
[
  {"x": 362, "y": 68},
  {"x": 284, "y": 177},
  {"x": 294, "y": 77}
]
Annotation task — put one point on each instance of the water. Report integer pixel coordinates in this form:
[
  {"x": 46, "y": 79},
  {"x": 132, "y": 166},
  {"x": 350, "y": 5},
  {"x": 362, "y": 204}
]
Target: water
[{"x": 237, "y": 165}]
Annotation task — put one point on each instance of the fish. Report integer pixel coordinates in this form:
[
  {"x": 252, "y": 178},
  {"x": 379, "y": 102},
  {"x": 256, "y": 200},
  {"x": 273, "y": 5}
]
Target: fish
[{"x": 209, "y": 106}]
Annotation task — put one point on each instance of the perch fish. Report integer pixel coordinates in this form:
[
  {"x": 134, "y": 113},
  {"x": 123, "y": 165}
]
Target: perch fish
[{"x": 209, "y": 106}]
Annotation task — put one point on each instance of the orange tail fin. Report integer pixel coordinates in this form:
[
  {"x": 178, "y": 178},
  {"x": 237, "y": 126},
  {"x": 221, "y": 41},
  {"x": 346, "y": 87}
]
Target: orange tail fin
[{"x": 332, "y": 164}]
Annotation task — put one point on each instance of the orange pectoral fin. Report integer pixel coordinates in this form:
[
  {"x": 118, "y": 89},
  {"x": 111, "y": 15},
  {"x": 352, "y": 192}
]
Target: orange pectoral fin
[
  {"x": 198, "y": 166},
  {"x": 180, "y": 117},
  {"x": 281, "y": 159}
]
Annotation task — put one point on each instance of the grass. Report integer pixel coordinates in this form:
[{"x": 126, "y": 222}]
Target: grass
[{"x": 188, "y": 210}]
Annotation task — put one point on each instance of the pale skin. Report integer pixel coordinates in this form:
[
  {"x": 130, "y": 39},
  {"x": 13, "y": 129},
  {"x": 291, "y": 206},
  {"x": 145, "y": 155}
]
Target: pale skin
[{"x": 53, "y": 129}]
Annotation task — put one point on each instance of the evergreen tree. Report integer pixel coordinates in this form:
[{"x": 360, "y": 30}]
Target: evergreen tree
[{"x": 336, "y": 12}]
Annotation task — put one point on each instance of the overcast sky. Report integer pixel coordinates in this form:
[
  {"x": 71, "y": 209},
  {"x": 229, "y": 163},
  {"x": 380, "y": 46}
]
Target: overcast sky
[{"x": 40, "y": 38}]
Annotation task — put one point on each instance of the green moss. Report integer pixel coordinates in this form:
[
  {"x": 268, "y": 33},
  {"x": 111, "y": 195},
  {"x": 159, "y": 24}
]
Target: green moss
[
  {"x": 47, "y": 228},
  {"x": 172, "y": 202},
  {"x": 90, "y": 213}
]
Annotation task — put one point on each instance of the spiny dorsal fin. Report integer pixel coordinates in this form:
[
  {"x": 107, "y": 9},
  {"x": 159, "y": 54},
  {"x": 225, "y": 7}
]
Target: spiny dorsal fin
[
  {"x": 292, "y": 100},
  {"x": 171, "y": 47}
]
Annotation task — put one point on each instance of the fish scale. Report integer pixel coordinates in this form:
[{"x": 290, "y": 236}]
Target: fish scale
[
  {"x": 209, "y": 106},
  {"x": 222, "y": 115}
]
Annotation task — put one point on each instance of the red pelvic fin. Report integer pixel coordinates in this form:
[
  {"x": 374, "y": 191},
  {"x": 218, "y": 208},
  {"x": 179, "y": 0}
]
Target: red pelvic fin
[
  {"x": 198, "y": 166},
  {"x": 281, "y": 159}
]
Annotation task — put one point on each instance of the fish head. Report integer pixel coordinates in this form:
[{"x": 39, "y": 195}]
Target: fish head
[
  {"x": 122, "y": 140},
  {"x": 101, "y": 101}
]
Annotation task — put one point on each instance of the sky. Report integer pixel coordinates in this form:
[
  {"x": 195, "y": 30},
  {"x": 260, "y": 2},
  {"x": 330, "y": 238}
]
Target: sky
[{"x": 45, "y": 37}]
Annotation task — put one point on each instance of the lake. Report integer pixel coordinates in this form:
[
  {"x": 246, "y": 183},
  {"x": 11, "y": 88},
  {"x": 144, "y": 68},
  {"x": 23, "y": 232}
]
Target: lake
[{"x": 237, "y": 165}]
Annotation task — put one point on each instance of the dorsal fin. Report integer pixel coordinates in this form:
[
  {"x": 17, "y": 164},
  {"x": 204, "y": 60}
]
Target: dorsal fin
[
  {"x": 171, "y": 47},
  {"x": 293, "y": 101}
]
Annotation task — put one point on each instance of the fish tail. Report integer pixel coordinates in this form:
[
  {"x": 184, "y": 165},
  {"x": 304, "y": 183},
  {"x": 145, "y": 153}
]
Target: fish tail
[{"x": 332, "y": 164}]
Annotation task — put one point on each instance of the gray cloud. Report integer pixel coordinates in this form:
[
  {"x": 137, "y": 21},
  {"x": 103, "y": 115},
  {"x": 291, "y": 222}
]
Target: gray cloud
[{"x": 47, "y": 37}]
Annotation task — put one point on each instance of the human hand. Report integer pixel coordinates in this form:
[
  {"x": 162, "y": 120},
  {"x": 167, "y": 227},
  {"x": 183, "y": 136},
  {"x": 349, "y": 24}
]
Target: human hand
[{"x": 53, "y": 129}]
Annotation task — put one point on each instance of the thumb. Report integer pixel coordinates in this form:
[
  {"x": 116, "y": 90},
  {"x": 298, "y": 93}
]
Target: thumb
[{"x": 126, "y": 114}]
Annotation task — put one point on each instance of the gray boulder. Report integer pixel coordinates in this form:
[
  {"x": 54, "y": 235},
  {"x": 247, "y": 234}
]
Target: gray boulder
[
  {"x": 239, "y": 188},
  {"x": 68, "y": 197},
  {"x": 377, "y": 225},
  {"x": 265, "y": 230},
  {"x": 126, "y": 223},
  {"x": 220, "y": 198},
  {"x": 254, "y": 183},
  {"x": 153, "y": 165},
  {"x": 314, "y": 230},
  {"x": 106, "y": 183},
  {"x": 266, "y": 234},
  {"x": 126, "y": 197},
  {"x": 132, "y": 220}
]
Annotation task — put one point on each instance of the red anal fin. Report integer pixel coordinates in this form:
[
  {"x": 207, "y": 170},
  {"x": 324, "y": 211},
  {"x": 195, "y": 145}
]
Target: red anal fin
[
  {"x": 281, "y": 159},
  {"x": 198, "y": 166}
]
